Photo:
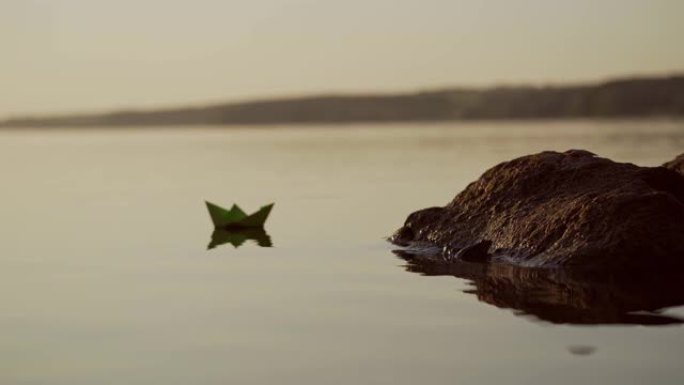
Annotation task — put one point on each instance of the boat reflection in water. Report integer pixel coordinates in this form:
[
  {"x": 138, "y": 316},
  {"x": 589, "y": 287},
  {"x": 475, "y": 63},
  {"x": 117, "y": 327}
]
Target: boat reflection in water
[
  {"x": 238, "y": 236},
  {"x": 564, "y": 296}
]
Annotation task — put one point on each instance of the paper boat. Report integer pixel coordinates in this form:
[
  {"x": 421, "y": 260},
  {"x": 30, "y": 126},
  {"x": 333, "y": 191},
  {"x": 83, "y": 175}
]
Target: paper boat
[{"x": 235, "y": 218}]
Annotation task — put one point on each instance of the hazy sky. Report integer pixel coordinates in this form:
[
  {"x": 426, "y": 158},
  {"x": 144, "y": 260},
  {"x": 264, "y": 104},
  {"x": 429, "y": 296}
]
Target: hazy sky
[{"x": 75, "y": 55}]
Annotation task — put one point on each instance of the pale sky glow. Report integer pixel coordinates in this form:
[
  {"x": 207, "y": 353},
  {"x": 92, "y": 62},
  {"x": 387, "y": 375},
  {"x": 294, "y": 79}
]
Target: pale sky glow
[{"x": 92, "y": 55}]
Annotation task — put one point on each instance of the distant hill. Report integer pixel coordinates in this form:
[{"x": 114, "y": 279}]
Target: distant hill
[{"x": 635, "y": 97}]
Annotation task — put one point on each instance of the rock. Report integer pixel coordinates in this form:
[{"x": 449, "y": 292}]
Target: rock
[
  {"x": 478, "y": 252},
  {"x": 676, "y": 164},
  {"x": 571, "y": 209}
]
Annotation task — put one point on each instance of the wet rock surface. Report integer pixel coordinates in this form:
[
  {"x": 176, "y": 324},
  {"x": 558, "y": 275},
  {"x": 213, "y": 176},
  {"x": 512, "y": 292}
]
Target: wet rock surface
[{"x": 570, "y": 209}]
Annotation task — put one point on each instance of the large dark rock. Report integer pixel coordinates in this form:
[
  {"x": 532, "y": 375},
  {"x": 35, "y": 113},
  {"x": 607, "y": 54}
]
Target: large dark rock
[{"x": 558, "y": 209}]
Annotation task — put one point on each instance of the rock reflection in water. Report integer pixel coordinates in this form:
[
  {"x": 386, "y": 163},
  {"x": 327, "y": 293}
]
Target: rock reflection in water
[
  {"x": 563, "y": 296},
  {"x": 237, "y": 237}
]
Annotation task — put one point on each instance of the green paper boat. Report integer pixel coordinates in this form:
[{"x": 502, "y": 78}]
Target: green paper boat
[{"x": 235, "y": 218}]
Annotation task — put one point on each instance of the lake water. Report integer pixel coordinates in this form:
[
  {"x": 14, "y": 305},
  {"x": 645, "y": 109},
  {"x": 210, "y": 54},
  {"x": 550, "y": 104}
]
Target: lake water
[{"x": 106, "y": 277}]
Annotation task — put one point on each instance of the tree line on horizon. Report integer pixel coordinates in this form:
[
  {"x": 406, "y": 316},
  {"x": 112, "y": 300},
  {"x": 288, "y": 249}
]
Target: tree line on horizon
[{"x": 633, "y": 97}]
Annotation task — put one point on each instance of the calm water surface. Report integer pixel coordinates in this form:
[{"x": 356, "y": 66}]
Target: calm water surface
[{"x": 106, "y": 277}]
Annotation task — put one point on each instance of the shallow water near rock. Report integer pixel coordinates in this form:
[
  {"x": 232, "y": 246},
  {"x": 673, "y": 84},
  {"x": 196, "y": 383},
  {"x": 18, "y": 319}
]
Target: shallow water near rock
[{"x": 107, "y": 277}]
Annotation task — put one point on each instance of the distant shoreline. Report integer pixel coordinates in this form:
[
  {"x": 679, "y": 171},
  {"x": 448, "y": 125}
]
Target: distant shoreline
[{"x": 628, "y": 98}]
